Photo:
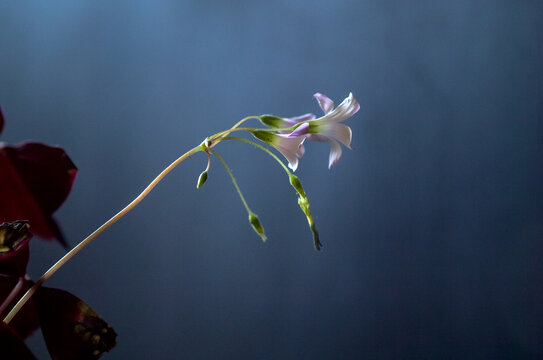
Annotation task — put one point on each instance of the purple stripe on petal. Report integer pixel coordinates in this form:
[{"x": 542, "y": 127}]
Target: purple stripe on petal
[
  {"x": 324, "y": 102},
  {"x": 300, "y": 131},
  {"x": 298, "y": 119}
]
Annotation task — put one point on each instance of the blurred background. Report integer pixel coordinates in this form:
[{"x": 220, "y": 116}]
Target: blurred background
[{"x": 432, "y": 227}]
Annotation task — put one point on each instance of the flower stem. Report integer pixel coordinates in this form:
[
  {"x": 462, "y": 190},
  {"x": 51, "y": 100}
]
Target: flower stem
[
  {"x": 303, "y": 201},
  {"x": 220, "y": 136},
  {"x": 261, "y": 148},
  {"x": 253, "y": 218},
  {"x": 233, "y": 180},
  {"x": 235, "y": 126},
  {"x": 97, "y": 232}
]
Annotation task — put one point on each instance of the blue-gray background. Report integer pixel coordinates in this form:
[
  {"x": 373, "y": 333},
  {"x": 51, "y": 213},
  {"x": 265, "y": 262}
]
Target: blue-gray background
[{"x": 432, "y": 227}]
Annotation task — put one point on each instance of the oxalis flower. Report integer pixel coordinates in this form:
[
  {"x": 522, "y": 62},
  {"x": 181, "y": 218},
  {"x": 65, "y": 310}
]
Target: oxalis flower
[
  {"x": 287, "y": 145},
  {"x": 327, "y": 128}
]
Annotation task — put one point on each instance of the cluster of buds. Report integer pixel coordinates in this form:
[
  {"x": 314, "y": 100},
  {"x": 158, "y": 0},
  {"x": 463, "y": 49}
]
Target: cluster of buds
[{"x": 287, "y": 135}]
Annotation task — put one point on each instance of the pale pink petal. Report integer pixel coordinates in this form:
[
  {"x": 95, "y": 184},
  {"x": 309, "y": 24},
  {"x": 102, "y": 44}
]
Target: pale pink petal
[
  {"x": 317, "y": 137},
  {"x": 289, "y": 147},
  {"x": 300, "y": 131},
  {"x": 298, "y": 119},
  {"x": 324, "y": 102},
  {"x": 345, "y": 110},
  {"x": 340, "y": 132},
  {"x": 335, "y": 153},
  {"x": 301, "y": 151},
  {"x": 292, "y": 158}
]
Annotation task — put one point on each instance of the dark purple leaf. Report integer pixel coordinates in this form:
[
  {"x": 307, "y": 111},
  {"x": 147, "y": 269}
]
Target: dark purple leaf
[
  {"x": 35, "y": 179},
  {"x": 71, "y": 329},
  {"x": 11, "y": 345}
]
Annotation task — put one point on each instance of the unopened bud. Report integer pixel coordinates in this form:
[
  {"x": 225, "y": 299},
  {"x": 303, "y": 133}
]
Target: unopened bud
[
  {"x": 296, "y": 184},
  {"x": 304, "y": 204},
  {"x": 272, "y": 121},
  {"x": 257, "y": 226},
  {"x": 318, "y": 244},
  {"x": 201, "y": 179},
  {"x": 265, "y": 136}
]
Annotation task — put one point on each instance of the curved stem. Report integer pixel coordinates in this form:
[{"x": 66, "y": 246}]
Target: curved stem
[
  {"x": 233, "y": 180},
  {"x": 303, "y": 201},
  {"x": 236, "y": 125},
  {"x": 261, "y": 148},
  {"x": 216, "y": 138},
  {"x": 97, "y": 232},
  {"x": 244, "y": 120},
  {"x": 208, "y": 160}
]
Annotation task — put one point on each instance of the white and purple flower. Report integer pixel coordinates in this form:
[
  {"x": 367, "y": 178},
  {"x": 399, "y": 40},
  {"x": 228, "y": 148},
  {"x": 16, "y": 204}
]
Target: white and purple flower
[
  {"x": 328, "y": 127},
  {"x": 289, "y": 146}
]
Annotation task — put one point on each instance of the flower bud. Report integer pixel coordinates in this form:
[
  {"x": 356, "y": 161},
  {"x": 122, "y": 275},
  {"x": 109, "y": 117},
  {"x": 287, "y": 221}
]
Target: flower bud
[
  {"x": 316, "y": 240},
  {"x": 304, "y": 205},
  {"x": 265, "y": 136},
  {"x": 201, "y": 179},
  {"x": 296, "y": 184},
  {"x": 272, "y": 121},
  {"x": 257, "y": 226}
]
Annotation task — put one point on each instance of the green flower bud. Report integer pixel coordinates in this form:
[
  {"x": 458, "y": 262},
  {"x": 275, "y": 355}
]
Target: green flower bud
[
  {"x": 296, "y": 184},
  {"x": 201, "y": 179},
  {"x": 265, "y": 136},
  {"x": 318, "y": 244},
  {"x": 257, "y": 226},
  {"x": 304, "y": 205},
  {"x": 272, "y": 121}
]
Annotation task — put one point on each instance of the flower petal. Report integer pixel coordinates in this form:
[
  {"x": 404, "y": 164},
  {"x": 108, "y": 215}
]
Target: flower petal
[
  {"x": 298, "y": 119},
  {"x": 340, "y": 132},
  {"x": 301, "y": 151},
  {"x": 345, "y": 110},
  {"x": 36, "y": 179},
  {"x": 335, "y": 153},
  {"x": 71, "y": 329},
  {"x": 289, "y": 147},
  {"x": 300, "y": 131},
  {"x": 318, "y": 138},
  {"x": 325, "y": 102}
]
